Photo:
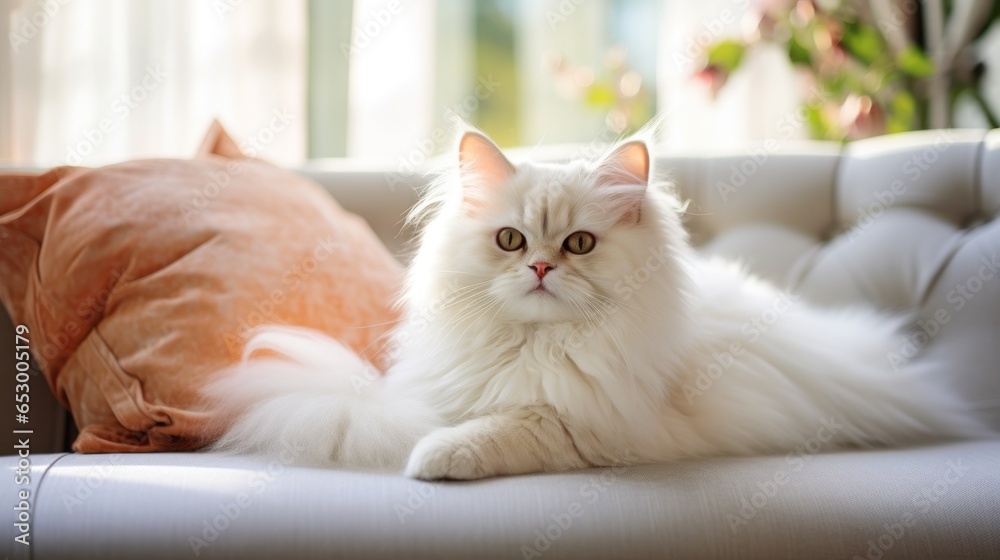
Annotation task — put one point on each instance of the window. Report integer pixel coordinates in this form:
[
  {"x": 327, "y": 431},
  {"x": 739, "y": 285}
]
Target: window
[{"x": 380, "y": 80}]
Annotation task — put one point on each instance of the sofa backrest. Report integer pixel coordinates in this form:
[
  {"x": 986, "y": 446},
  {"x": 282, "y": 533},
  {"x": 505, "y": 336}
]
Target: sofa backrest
[{"x": 904, "y": 222}]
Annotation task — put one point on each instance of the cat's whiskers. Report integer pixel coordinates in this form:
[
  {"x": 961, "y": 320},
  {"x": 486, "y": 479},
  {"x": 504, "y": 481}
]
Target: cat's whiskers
[
  {"x": 470, "y": 314},
  {"x": 636, "y": 295},
  {"x": 466, "y": 296},
  {"x": 493, "y": 301},
  {"x": 623, "y": 356},
  {"x": 439, "y": 270},
  {"x": 461, "y": 294},
  {"x": 609, "y": 329},
  {"x": 613, "y": 304}
]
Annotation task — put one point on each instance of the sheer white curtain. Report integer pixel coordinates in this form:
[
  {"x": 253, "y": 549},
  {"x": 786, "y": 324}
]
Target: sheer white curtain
[
  {"x": 760, "y": 102},
  {"x": 411, "y": 73},
  {"x": 550, "y": 30},
  {"x": 392, "y": 77},
  {"x": 94, "y": 82}
]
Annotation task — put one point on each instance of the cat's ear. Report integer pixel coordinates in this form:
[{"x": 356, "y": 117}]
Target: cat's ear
[
  {"x": 623, "y": 176},
  {"x": 627, "y": 164},
  {"x": 482, "y": 167}
]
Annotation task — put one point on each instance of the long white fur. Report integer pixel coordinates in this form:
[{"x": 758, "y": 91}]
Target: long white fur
[
  {"x": 321, "y": 405},
  {"x": 640, "y": 353}
]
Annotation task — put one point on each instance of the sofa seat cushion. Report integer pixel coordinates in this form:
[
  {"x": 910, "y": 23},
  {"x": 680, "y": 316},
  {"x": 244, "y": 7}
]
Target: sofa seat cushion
[{"x": 929, "y": 502}]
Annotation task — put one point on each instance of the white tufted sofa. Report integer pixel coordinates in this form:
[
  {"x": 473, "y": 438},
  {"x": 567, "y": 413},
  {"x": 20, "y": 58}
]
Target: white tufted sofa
[{"x": 903, "y": 222}]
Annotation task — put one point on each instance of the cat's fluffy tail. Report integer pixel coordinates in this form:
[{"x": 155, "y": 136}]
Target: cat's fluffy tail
[{"x": 322, "y": 405}]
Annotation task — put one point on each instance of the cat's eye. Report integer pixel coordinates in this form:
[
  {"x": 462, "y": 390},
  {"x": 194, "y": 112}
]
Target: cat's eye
[
  {"x": 509, "y": 239},
  {"x": 580, "y": 243}
]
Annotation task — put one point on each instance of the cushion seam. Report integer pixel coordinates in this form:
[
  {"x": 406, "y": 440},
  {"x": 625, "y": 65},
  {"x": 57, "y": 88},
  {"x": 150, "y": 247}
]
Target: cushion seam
[
  {"x": 115, "y": 372},
  {"x": 38, "y": 494}
]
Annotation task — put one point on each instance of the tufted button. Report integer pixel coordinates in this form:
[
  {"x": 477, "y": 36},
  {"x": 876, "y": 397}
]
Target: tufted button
[
  {"x": 901, "y": 222},
  {"x": 830, "y": 233},
  {"x": 973, "y": 221}
]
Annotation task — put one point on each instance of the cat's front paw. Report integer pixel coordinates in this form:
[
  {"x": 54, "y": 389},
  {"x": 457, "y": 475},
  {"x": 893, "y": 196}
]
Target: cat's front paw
[{"x": 441, "y": 455}]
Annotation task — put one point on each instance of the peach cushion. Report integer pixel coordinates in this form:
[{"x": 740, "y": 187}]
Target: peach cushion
[{"x": 139, "y": 280}]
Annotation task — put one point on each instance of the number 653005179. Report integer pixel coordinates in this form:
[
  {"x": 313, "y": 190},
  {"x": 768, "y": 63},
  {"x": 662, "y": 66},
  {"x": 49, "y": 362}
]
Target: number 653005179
[{"x": 22, "y": 365}]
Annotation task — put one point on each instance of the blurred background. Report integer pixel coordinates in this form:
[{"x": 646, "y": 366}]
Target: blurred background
[{"x": 98, "y": 81}]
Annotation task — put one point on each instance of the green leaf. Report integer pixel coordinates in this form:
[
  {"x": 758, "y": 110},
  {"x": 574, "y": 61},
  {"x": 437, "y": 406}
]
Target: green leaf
[
  {"x": 863, "y": 42},
  {"x": 836, "y": 85},
  {"x": 819, "y": 126},
  {"x": 894, "y": 125},
  {"x": 903, "y": 105},
  {"x": 726, "y": 55},
  {"x": 797, "y": 53},
  {"x": 915, "y": 63}
]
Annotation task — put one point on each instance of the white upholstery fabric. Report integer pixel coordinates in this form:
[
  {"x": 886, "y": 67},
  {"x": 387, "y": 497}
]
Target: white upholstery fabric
[
  {"x": 900, "y": 221},
  {"x": 904, "y": 222},
  {"x": 830, "y": 506}
]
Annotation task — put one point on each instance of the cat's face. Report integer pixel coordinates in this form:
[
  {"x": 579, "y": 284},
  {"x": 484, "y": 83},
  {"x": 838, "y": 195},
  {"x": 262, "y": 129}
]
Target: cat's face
[
  {"x": 546, "y": 243},
  {"x": 549, "y": 247}
]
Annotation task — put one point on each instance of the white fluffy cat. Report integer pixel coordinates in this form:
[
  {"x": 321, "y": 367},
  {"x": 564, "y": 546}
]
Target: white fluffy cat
[{"x": 556, "y": 317}]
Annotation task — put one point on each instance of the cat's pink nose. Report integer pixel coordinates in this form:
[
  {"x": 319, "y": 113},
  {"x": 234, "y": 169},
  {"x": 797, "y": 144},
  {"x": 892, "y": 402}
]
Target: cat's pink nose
[{"x": 541, "y": 268}]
